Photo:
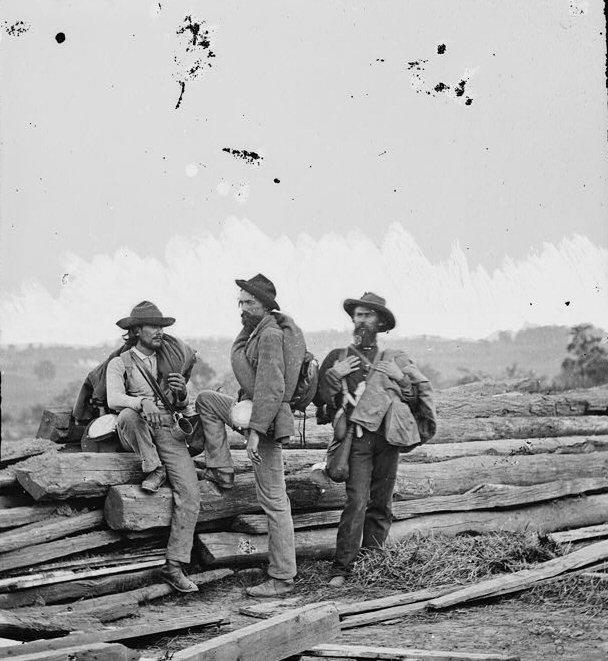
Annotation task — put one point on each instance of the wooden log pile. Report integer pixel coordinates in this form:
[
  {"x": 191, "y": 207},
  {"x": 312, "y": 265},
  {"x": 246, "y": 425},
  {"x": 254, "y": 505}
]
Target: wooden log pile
[{"x": 77, "y": 526}]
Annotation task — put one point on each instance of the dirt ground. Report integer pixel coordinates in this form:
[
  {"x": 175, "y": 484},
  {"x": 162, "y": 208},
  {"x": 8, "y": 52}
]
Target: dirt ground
[{"x": 508, "y": 626}]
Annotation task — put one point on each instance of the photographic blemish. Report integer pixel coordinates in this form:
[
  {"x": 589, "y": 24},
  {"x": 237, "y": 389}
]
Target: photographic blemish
[
  {"x": 60, "y": 37},
  {"x": 468, "y": 102},
  {"x": 16, "y": 29},
  {"x": 441, "y": 87},
  {"x": 441, "y": 49},
  {"x": 196, "y": 55},
  {"x": 566, "y": 303},
  {"x": 276, "y": 181},
  {"x": 65, "y": 278},
  {"x": 379, "y": 59},
  {"x": 459, "y": 89},
  {"x": 383, "y": 152},
  {"x": 250, "y": 157}
]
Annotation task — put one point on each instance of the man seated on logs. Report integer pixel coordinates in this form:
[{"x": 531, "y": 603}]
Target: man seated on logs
[
  {"x": 383, "y": 400},
  {"x": 147, "y": 384},
  {"x": 266, "y": 358}
]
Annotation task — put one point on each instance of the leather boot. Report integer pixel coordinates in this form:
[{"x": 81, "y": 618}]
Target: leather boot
[
  {"x": 223, "y": 478},
  {"x": 271, "y": 588},
  {"x": 154, "y": 480},
  {"x": 173, "y": 574}
]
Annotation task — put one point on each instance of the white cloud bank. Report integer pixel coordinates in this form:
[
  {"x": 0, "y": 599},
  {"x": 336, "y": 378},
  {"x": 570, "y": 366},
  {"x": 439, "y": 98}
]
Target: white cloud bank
[{"x": 195, "y": 283}]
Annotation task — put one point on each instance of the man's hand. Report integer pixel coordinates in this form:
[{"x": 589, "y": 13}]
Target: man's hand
[
  {"x": 177, "y": 385},
  {"x": 253, "y": 442},
  {"x": 347, "y": 366},
  {"x": 391, "y": 369},
  {"x": 150, "y": 413}
]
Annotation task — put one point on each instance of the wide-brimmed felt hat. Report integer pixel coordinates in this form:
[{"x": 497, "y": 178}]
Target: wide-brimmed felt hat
[
  {"x": 373, "y": 302},
  {"x": 262, "y": 288},
  {"x": 145, "y": 313}
]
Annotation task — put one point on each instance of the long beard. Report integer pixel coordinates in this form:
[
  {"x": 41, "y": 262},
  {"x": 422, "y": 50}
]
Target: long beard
[
  {"x": 250, "y": 321},
  {"x": 364, "y": 336}
]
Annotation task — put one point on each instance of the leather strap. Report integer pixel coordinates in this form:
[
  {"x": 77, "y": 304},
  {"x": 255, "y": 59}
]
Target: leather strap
[{"x": 151, "y": 381}]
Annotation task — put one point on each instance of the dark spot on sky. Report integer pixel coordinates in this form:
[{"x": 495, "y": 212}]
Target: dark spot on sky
[
  {"x": 16, "y": 29},
  {"x": 60, "y": 37},
  {"x": 416, "y": 64},
  {"x": 379, "y": 59},
  {"x": 567, "y": 303},
  {"x": 530, "y": 302},
  {"x": 459, "y": 89},
  {"x": 441, "y": 49},
  {"x": 441, "y": 87},
  {"x": 248, "y": 156},
  {"x": 468, "y": 102},
  {"x": 196, "y": 55},
  {"x": 276, "y": 181}
]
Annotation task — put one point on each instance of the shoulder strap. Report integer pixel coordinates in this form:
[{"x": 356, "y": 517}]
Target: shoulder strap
[
  {"x": 145, "y": 372},
  {"x": 127, "y": 360}
]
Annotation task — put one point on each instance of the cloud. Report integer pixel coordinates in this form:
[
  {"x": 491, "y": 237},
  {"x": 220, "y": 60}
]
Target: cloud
[{"x": 194, "y": 282}]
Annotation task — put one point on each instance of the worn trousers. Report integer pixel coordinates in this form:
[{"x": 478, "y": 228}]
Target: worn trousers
[
  {"x": 158, "y": 448},
  {"x": 214, "y": 411},
  {"x": 366, "y": 519}
]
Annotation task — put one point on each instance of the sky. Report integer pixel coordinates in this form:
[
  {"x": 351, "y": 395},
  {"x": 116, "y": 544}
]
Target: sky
[{"x": 449, "y": 155}]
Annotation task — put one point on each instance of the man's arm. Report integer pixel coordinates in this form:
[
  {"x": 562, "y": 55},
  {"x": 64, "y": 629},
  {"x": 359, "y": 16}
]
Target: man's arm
[
  {"x": 329, "y": 382},
  {"x": 417, "y": 392},
  {"x": 115, "y": 386},
  {"x": 269, "y": 387}
]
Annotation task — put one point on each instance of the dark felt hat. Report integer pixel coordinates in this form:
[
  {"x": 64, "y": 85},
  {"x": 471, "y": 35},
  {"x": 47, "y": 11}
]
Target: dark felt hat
[
  {"x": 373, "y": 302},
  {"x": 145, "y": 313},
  {"x": 262, "y": 288}
]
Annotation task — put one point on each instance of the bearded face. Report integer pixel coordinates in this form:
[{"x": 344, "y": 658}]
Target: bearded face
[
  {"x": 250, "y": 320},
  {"x": 367, "y": 326}
]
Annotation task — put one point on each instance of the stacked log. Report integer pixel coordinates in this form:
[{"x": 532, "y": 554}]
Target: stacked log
[{"x": 77, "y": 524}]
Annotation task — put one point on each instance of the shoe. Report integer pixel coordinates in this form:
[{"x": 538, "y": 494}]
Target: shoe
[
  {"x": 224, "y": 479},
  {"x": 154, "y": 480},
  {"x": 273, "y": 587},
  {"x": 337, "y": 581},
  {"x": 175, "y": 577}
]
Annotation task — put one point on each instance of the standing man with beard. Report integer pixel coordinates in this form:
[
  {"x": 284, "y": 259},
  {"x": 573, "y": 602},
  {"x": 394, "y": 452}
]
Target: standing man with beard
[
  {"x": 266, "y": 358},
  {"x": 388, "y": 402}
]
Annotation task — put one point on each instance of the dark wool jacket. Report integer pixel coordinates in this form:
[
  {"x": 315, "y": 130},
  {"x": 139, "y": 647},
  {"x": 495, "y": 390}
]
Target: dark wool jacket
[{"x": 266, "y": 365}]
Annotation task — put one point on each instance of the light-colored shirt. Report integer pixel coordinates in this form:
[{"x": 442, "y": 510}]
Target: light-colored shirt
[{"x": 137, "y": 388}]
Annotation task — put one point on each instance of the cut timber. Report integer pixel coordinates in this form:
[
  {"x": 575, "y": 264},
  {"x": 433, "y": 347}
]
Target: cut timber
[
  {"x": 58, "y": 549},
  {"x": 27, "y": 581},
  {"x": 116, "y": 606},
  {"x": 230, "y": 547},
  {"x": 32, "y": 627},
  {"x": 80, "y": 588},
  {"x": 8, "y": 477},
  {"x": 12, "y": 451},
  {"x": 399, "y": 599},
  {"x": 91, "y": 652},
  {"x": 20, "y": 516},
  {"x": 82, "y": 474},
  {"x": 479, "y": 402},
  {"x": 265, "y": 609},
  {"x": 580, "y": 533},
  {"x": 400, "y": 654},
  {"x": 484, "y": 496},
  {"x": 58, "y": 425},
  {"x": 123, "y": 557},
  {"x": 140, "y": 630},
  {"x": 273, "y": 639},
  {"x": 521, "y": 580},
  {"x": 45, "y": 531},
  {"x": 129, "y": 508}
]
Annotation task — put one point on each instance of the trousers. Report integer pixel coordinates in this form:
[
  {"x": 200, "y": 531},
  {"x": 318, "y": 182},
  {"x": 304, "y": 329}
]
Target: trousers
[
  {"x": 366, "y": 518},
  {"x": 214, "y": 411},
  {"x": 158, "y": 448}
]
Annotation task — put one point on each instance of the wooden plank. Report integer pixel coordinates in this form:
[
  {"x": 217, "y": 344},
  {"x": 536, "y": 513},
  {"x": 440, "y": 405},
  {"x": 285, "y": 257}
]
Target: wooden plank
[
  {"x": 91, "y": 652},
  {"x": 382, "y": 615},
  {"x": 29, "y": 581},
  {"x": 484, "y": 496},
  {"x": 38, "y": 626},
  {"x": 81, "y": 588},
  {"x": 59, "y": 476},
  {"x": 139, "y": 630},
  {"x": 521, "y": 580},
  {"x": 57, "y": 549},
  {"x": 13, "y": 500},
  {"x": 577, "y": 534},
  {"x": 128, "y": 508},
  {"x": 11, "y": 451},
  {"x": 8, "y": 477},
  {"x": 103, "y": 559},
  {"x": 21, "y": 516},
  {"x": 399, "y": 599},
  {"x": 269, "y": 608},
  {"x": 218, "y": 549},
  {"x": 273, "y": 639},
  {"x": 46, "y": 531},
  {"x": 400, "y": 654}
]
